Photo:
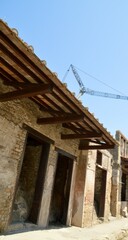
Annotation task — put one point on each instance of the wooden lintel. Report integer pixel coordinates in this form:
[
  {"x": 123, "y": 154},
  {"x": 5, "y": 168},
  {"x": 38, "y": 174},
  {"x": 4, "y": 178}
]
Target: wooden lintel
[
  {"x": 64, "y": 153},
  {"x": 66, "y": 118},
  {"x": 95, "y": 147},
  {"x": 32, "y": 91},
  {"x": 37, "y": 135},
  {"x": 81, "y": 136}
]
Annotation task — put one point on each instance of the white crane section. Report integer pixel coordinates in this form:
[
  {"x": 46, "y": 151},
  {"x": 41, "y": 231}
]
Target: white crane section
[{"x": 89, "y": 91}]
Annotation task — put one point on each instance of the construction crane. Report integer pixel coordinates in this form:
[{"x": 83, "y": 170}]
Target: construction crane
[{"x": 83, "y": 89}]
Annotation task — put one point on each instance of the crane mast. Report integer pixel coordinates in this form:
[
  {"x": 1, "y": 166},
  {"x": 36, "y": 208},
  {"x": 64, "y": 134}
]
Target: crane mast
[{"x": 89, "y": 91}]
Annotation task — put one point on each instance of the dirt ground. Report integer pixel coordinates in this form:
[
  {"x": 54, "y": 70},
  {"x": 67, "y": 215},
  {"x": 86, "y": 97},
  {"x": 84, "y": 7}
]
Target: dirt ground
[{"x": 115, "y": 229}]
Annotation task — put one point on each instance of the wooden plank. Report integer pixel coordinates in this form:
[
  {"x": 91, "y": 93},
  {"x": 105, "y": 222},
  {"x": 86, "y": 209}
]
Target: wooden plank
[
  {"x": 81, "y": 136},
  {"x": 20, "y": 84},
  {"x": 61, "y": 119},
  {"x": 27, "y": 92},
  {"x": 52, "y": 111},
  {"x": 94, "y": 147}
]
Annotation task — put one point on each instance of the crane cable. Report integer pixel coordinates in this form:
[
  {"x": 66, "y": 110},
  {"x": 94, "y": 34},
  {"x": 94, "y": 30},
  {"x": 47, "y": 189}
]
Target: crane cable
[
  {"x": 66, "y": 74},
  {"x": 91, "y": 76}
]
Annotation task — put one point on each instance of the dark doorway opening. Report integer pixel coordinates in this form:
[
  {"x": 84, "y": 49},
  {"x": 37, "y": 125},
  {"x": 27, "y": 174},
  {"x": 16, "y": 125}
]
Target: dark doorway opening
[
  {"x": 31, "y": 180},
  {"x": 61, "y": 190},
  {"x": 123, "y": 188},
  {"x": 100, "y": 191}
]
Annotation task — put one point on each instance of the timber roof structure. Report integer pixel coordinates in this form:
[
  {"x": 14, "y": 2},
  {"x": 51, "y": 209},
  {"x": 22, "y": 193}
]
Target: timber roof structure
[{"x": 23, "y": 70}]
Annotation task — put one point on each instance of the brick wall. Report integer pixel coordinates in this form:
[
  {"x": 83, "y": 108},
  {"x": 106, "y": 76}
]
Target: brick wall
[{"x": 12, "y": 140}]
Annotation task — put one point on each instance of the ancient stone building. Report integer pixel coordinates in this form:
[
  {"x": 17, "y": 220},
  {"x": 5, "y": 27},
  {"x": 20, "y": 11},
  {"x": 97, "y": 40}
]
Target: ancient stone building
[
  {"x": 93, "y": 188},
  {"x": 120, "y": 176},
  {"x": 50, "y": 169}
]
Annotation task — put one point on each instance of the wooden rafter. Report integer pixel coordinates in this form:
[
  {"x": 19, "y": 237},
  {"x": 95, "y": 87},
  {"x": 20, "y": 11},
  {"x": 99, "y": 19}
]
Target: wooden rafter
[
  {"x": 81, "y": 136},
  {"x": 57, "y": 94},
  {"x": 61, "y": 119},
  {"x": 77, "y": 128},
  {"x": 94, "y": 147},
  {"x": 19, "y": 64},
  {"x": 19, "y": 84},
  {"x": 52, "y": 111},
  {"x": 31, "y": 91}
]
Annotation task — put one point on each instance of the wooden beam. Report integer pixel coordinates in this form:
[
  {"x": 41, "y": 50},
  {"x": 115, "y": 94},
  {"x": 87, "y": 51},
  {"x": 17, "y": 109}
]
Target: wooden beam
[
  {"x": 67, "y": 118},
  {"x": 20, "y": 84},
  {"x": 74, "y": 128},
  {"x": 94, "y": 147},
  {"x": 26, "y": 92},
  {"x": 64, "y": 153},
  {"x": 51, "y": 111},
  {"x": 81, "y": 136}
]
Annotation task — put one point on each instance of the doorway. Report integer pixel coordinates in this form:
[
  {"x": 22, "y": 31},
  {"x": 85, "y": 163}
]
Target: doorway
[
  {"x": 100, "y": 191},
  {"x": 123, "y": 187},
  {"x": 61, "y": 190},
  {"x": 30, "y": 185}
]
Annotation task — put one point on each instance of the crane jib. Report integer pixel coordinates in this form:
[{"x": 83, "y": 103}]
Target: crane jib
[{"x": 83, "y": 89}]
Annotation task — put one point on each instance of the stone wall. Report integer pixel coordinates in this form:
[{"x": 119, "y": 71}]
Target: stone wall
[
  {"x": 90, "y": 211},
  {"x": 12, "y": 141}
]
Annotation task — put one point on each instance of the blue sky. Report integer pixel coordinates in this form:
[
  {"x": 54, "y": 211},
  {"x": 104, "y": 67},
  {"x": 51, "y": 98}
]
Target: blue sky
[{"x": 90, "y": 34}]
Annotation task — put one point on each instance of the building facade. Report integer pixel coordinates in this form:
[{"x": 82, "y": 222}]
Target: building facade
[
  {"x": 93, "y": 188},
  {"x": 52, "y": 167},
  {"x": 120, "y": 176}
]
